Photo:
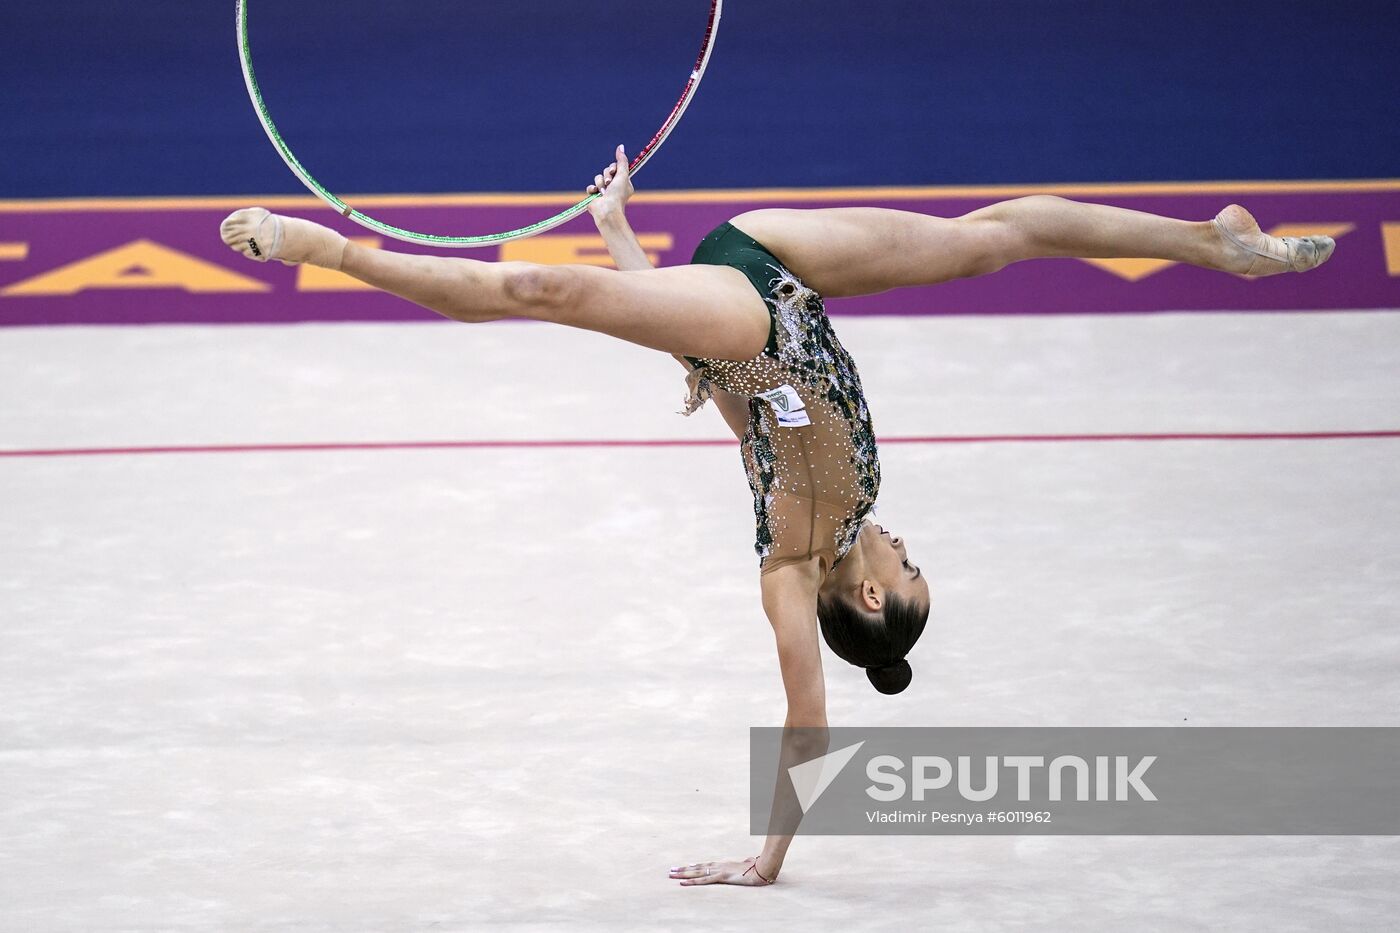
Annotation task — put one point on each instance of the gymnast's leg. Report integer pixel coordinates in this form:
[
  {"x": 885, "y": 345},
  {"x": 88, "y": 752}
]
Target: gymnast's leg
[
  {"x": 859, "y": 251},
  {"x": 700, "y": 311}
]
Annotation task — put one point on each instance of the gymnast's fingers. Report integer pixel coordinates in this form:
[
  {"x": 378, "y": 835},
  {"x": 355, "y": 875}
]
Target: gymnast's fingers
[
  {"x": 693, "y": 870},
  {"x": 711, "y": 879},
  {"x": 713, "y": 873}
]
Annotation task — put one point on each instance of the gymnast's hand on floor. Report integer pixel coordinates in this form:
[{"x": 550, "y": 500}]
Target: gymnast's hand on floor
[
  {"x": 742, "y": 873},
  {"x": 615, "y": 182}
]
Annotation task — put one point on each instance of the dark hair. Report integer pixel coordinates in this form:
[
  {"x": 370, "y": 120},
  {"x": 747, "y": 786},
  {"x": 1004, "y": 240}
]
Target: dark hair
[{"x": 875, "y": 641}]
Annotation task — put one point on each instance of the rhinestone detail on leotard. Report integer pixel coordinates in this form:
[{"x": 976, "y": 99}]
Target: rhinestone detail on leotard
[{"x": 812, "y": 485}]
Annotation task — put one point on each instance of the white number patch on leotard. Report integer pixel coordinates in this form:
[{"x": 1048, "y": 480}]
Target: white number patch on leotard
[{"x": 787, "y": 405}]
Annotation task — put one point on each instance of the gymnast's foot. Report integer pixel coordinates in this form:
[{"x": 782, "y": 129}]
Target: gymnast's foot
[
  {"x": 261, "y": 235},
  {"x": 1250, "y": 251}
]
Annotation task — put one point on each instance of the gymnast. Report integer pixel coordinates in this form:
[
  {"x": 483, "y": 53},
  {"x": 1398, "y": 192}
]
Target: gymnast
[{"x": 746, "y": 318}]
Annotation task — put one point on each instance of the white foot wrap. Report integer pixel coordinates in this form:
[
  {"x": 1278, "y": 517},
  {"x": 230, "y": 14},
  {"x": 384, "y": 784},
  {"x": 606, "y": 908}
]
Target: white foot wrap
[
  {"x": 1261, "y": 254},
  {"x": 261, "y": 236}
]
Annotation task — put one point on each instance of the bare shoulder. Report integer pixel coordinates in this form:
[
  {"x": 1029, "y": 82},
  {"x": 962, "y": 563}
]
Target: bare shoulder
[
  {"x": 791, "y": 590},
  {"x": 790, "y": 601}
]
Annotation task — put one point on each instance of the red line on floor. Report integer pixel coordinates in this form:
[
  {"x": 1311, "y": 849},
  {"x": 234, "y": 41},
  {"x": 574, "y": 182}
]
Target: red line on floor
[{"x": 682, "y": 442}]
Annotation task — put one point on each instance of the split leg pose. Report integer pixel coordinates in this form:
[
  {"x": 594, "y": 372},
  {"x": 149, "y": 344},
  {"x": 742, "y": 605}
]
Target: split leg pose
[
  {"x": 747, "y": 320},
  {"x": 713, "y": 312}
]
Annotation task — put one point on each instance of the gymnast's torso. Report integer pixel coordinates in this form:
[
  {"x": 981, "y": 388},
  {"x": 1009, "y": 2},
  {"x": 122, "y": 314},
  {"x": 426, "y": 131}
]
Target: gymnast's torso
[{"x": 809, "y": 450}]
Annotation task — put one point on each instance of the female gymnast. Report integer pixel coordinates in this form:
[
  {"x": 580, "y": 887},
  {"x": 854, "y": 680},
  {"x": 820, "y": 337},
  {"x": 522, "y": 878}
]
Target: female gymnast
[{"x": 747, "y": 320}]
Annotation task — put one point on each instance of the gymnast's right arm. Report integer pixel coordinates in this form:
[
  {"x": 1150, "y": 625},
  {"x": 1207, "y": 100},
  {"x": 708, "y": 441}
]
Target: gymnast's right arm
[{"x": 610, "y": 215}]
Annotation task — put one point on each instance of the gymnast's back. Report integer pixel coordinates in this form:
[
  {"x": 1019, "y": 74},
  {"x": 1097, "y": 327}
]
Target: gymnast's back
[{"x": 809, "y": 450}]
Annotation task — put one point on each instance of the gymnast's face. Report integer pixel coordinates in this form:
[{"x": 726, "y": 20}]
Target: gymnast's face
[{"x": 886, "y": 568}]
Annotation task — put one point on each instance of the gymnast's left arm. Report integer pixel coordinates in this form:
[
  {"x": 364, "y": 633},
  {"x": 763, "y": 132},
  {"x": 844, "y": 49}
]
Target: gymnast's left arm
[{"x": 790, "y": 601}]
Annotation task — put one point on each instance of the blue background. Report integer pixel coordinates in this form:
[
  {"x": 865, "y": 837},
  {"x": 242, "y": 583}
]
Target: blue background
[{"x": 398, "y": 96}]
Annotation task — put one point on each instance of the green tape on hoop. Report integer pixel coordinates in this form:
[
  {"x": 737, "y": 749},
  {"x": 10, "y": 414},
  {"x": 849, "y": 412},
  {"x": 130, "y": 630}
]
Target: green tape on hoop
[{"x": 245, "y": 52}]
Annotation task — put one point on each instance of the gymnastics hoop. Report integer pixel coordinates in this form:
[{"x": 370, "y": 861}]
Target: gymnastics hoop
[{"x": 461, "y": 242}]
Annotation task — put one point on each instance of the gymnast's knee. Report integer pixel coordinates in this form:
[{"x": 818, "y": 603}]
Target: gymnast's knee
[
  {"x": 991, "y": 244},
  {"x": 1006, "y": 232},
  {"x": 1016, "y": 208},
  {"x": 533, "y": 288}
]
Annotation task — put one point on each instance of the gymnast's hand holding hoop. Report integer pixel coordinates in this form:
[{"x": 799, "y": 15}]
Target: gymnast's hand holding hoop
[
  {"x": 614, "y": 183},
  {"x": 609, "y": 194}
]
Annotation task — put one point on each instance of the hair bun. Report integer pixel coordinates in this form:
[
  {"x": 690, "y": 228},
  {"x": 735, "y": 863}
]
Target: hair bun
[{"x": 892, "y": 678}]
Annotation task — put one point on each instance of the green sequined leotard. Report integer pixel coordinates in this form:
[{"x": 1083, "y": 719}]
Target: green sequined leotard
[{"x": 810, "y": 449}]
